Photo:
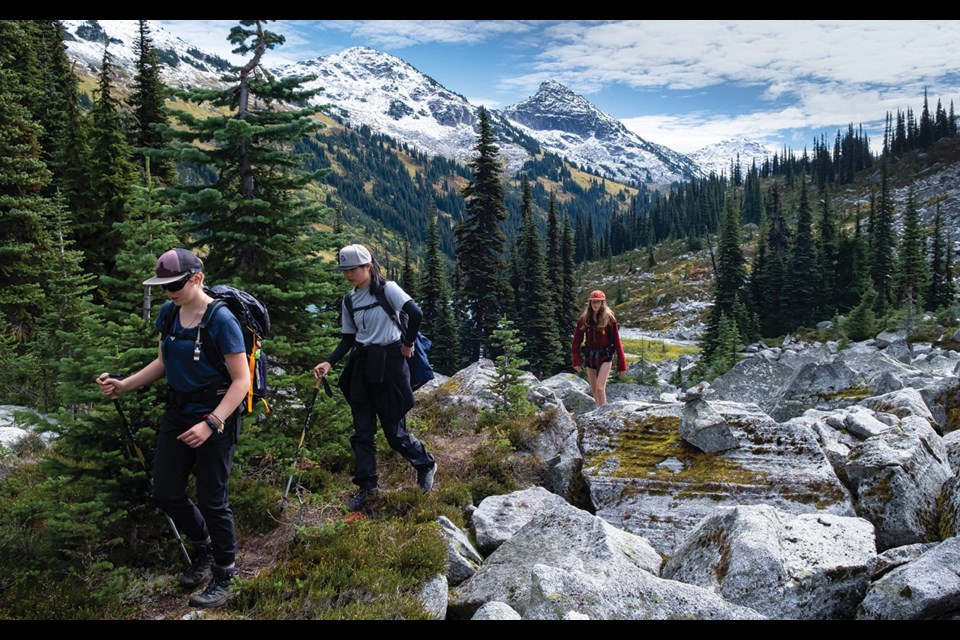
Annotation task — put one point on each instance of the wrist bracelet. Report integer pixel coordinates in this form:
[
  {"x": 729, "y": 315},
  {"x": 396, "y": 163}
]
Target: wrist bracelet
[
  {"x": 219, "y": 419},
  {"x": 213, "y": 425}
]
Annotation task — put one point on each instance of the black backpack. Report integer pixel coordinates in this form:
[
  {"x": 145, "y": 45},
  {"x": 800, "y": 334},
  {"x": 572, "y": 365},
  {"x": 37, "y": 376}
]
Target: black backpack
[
  {"x": 420, "y": 370},
  {"x": 255, "y": 324}
]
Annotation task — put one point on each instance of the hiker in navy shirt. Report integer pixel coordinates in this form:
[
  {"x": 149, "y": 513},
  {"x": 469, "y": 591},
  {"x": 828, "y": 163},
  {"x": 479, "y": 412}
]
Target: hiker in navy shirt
[
  {"x": 199, "y": 428},
  {"x": 376, "y": 380}
]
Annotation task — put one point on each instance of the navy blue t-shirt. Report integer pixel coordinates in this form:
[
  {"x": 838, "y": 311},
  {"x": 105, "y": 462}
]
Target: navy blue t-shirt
[{"x": 184, "y": 374}]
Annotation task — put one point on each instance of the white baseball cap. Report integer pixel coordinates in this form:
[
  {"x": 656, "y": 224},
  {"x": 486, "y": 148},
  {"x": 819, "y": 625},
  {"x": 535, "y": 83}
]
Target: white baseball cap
[{"x": 352, "y": 256}]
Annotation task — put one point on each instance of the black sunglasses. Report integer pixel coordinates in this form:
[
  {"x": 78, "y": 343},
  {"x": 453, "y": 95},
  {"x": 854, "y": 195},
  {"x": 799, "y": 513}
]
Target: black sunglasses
[{"x": 179, "y": 284}]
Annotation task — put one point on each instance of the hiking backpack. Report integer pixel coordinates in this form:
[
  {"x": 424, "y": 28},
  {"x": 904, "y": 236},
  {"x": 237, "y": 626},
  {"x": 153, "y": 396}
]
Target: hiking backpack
[
  {"x": 420, "y": 370},
  {"x": 254, "y": 324}
]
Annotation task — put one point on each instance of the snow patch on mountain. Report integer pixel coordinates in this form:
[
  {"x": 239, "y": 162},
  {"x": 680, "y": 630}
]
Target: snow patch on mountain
[
  {"x": 719, "y": 157},
  {"x": 569, "y": 125}
]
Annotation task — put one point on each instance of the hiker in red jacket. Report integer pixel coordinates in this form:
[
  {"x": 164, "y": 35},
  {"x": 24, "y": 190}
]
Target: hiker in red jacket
[{"x": 598, "y": 325}]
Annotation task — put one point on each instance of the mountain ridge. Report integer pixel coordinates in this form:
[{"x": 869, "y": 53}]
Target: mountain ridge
[{"x": 365, "y": 86}]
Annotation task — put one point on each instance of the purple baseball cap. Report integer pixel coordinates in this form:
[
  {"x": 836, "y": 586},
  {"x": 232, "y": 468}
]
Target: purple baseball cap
[{"x": 175, "y": 264}]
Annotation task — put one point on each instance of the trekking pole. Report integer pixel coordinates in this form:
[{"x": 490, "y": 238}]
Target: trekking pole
[
  {"x": 143, "y": 462},
  {"x": 303, "y": 435}
]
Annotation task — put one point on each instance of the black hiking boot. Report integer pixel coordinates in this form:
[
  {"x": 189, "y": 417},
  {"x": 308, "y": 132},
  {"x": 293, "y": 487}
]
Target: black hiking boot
[
  {"x": 218, "y": 592},
  {"x": 425, "y": 477},
  {"x": 360, "y": 498},
  {"x": 199, "y": 569}
]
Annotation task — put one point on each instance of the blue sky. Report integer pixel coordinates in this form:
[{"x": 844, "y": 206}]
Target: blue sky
[{"x": 680, "y": 83}]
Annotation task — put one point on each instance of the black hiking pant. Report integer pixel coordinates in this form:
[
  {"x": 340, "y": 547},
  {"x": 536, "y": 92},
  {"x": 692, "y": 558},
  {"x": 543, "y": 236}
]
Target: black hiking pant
[
  {"x": 211, "y": 462},
  {"x": 365, "y": 448}
]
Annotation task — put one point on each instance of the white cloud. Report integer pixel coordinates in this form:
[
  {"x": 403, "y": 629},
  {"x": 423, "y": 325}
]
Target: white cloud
[{"x": 404, "y": 33}]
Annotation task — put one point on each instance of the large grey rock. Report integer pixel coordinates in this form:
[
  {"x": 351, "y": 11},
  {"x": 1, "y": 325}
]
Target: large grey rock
[
  {"x": 471, "y": 385},
  {"x": 645, "y": 479},
  {"x": 899, "y": 556},
  {"x": 818, "y": 385},
  {"x": 17, "y": 423},
  {"x": 499, "y": 517},
  {"x": 11, "y": 436},
  {"x": 567, "y": 592},
  {"x": 926, "y": 588},
  {"x": 564, "y": 537},
  {"x": 886, "y": 338},
  {"x": 462, "y": 559},
  {"x": 564, "y": 472},
  {"x": 572, "y": 390},
  {"x": 950, "y": 507},
  {"x": 952, "y": 442},
  {"x": 861, "y": 422},
  {"x": 758, "y": 379},
  {"x": 901, "y": 403},
  {"x": 496, "y": 611},
  {"x": 630, "y": 392},
  {"x": 704, "y": 428},
  {"x": 433, "y": 597},
  {"x": 555, "y": 443},
  {"x": 794, "y": 567},
  {"x": 897, "y": 477}
]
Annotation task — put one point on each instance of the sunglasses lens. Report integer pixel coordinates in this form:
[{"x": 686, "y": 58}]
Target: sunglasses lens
[{"x": 176, "y": 286}]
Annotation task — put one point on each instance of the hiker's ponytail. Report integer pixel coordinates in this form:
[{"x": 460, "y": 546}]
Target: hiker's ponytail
[{"x": 376, "y": 277}]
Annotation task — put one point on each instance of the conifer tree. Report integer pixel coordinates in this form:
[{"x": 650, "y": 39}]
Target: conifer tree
[
  {"x": 731, "y": 298},
  {"x": 440, "y": 322},
  {"x": 568, "y": 285},
  {"x": 433, "y": 277},
  {"x": 861, "y": 323},
  {"x": 66, "y": 144},
  {"x": 773, "y": 275},
  {"x": 111, "y": 174},
  {"x": 828, "y": 250},
  {"x": 912, "y": 276},
  {"x": 802, "y": 286},
  {"x": 538, "y": 328},
  {"x": 882, "y": 244},
  {"x": 24, "y": 211},
  {"x": 940, "y": 291},
  {"x": 252, "y": 224},
  {"x": 507, "y": 381},
  {"x": 480, "y": 245},
  {"x": 147, "y": 100},
  {"x": 555, "y": 262}
]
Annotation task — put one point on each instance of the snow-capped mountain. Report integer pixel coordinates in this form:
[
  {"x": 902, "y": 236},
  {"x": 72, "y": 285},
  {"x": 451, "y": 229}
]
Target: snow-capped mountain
[
  {"x": 367, "y": 87},
  {"x": 719, "y": 157},
  {"x": 569, "y": 125},
  {"x": 183, "y": 64},
  {"x": 363, "y": 86}
]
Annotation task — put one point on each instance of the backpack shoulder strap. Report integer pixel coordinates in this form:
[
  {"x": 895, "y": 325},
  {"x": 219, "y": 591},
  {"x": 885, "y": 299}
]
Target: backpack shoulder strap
[
  {"x": 167, "y": 312},
  {"x": 380, "y": 293},
  {"x": 214, "y": 356},
  {"x": 348, "y": 303}
]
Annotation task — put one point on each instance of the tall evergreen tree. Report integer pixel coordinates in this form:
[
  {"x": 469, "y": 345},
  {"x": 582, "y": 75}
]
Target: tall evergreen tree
[
  {"x": 731, "y": 296},
  {"x": 433, "y": 277},
  {"x": 538, "y": 328},
  {"x": 555, "y": 262},
  {"x": 802, "y": 283},
  {"x": 24, "y": 211},
  {"x": 940, "y": 291},
  {"x": 568, "y": 285},
  {"x": 912, "y": 276},
  {"x": 147, "y": 100},
  {"x": 111, "y": 174},
  {"x": 883, "y": 244},
  {"x": 256, "y": 230},
  {"x": 828, "y": 251},
  {"x": 480, "y": 244}
]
